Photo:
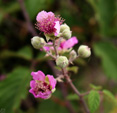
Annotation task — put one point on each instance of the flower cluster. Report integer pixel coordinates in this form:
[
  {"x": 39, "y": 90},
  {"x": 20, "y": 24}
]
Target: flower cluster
[{"x": 59, "y": 40}]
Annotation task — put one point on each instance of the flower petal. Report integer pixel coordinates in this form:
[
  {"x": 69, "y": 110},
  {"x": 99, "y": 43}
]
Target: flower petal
[
  {"x": 52, "y": 81},
  {"x": 44, "y": 95},
  {"x": 39, "y": 75},
  {"x": 70, "y": 43},
  {"x": 57, "y": 27},
  {"x": 32, "y": 83},
  {"x": 42, "y": 15}
]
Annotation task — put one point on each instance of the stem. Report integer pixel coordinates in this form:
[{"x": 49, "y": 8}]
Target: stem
[
  {"x": 49, "y": 54},
  {"x": 56, "y": 52},
  {"x": 75, "y": 90}
]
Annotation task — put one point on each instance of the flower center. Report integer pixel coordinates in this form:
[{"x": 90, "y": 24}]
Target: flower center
[{"x": 41, "y": 87}]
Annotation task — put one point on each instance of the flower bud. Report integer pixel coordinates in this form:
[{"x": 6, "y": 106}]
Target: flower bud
[
  {"x": 84, "y": 51},
  {"x": 62, "y": 61},
  {"x": 73, "y": 55},
  {"x": 64, "y": 27},
  {"x": 66, "y": 34},
  {"x": 37, "y": 42}
]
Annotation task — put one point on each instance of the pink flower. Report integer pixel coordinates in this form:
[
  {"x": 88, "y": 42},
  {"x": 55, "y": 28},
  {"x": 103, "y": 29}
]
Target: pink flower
[
  {"x": 48, "y": 23},
  {"x": 64, "y": 45},
  {"x": 42, "y": 86}
]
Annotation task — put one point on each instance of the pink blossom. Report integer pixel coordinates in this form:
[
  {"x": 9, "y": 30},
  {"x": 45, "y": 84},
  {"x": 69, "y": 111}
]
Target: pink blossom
[
  {"x": 64, "y": 45},
  {"x": 48, "y": 23},
  {"x": 41, "y": 85}
]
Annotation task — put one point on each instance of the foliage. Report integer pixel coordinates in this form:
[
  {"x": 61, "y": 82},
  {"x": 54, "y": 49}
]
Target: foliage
[
  {"x": 93, "y": 100},
  {"x": 108, "y": 54},
  {"x": 14, "y": 89}
]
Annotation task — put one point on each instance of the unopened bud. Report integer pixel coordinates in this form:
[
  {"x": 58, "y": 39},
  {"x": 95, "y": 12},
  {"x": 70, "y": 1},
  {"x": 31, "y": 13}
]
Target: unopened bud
[
  {"x": 84, "y": 51},
  {"x": 37, "y": 42},
  {"x": 67, "y": 34},
  {"x": 73, "y": 55},
  {"x": 62, "y": 61},
  {"x": 64, "y": 27}
]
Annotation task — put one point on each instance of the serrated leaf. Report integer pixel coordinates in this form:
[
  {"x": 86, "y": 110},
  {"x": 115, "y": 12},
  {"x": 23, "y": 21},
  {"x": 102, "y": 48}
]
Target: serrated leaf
[
  {"x": 14, "y": 88},
  {"x": 95, "y": 87},
  {"x": 93, "y": 100},
  {"x": 108, "y": 54},
  {"x": 109, "y": 95}
]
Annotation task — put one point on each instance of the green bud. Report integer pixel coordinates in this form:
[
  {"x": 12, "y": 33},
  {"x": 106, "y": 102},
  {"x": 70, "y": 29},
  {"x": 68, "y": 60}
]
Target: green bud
[
  {"x": 73, "y": 55},
  {"x": 62, "y": 61},
  {"x": 37, "y": 42},
  {"x": 67, "y": 34},
  {"x": 84, "y": 51},
  {"x": 64, "y": 27}
]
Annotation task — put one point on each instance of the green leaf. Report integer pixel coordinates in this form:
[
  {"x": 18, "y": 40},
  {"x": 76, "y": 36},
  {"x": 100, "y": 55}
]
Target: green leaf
[
  {"x": 14, "y": 88},
  {"x": 95, "y": 87},
  {"x": 72, "y": 97},
  {"x": 109, "y": 95},
  {"x": 49, "y": 106},
  {"x": 73, "y": 68},
  {"x": 93, "y": 100},
  {"x": 25, "y": 52},
  {"x": 34, "y": 6},
  {"x": 105, "y": 11},
  {"x": 108, "y": 54}
]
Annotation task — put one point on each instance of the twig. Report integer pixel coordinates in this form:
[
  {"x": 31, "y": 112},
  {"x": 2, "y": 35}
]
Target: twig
[
  {"x": 55, "y": 49},
  {"x": 75, "y": 90},
  {"x": 26, "y": 16}
]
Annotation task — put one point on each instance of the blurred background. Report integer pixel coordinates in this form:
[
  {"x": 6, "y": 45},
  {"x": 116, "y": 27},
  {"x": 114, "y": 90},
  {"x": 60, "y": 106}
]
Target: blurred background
[{"x": 93, "y": 22}]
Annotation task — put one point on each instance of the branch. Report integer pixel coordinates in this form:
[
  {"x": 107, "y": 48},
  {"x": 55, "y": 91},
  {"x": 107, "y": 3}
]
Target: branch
[{"x": 75, "y": 90}]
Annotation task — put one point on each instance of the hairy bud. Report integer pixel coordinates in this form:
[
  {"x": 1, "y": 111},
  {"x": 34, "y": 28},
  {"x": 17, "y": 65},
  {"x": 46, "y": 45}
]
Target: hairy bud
[
  {"x": 84, "y": 51},
  {"x": 64, "y": 27},
  {"x": 73, "y": 55},
  {"x": 67, "y": 34},
  {"x": 62, "y": 61},
  {"x": 37, "y": 42}
]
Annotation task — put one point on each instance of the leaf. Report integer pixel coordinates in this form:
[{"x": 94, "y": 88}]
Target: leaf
[
  {"x": 72, "y": 97},
  {"x": 48, "y": 106},
  {"x": 34, "y": 6},
  {"x": 25, "y": 52},
  {"x": 93, "y": 100},
  {"x": 108, "y": 54},
  {"x": 14, "y": 88},
  {"x": 109, "y": 95},
  {"x": 73, "y": 68},
  {"x": 95, "y": 87},
  {"x": 105, "y": 11}
]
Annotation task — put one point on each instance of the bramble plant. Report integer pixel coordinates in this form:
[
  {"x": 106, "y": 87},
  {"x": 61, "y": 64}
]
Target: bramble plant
[{"x": 59, "y": 41}]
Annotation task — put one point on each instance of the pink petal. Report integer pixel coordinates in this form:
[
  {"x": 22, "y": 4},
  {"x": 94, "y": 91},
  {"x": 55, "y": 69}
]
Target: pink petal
[
  {"x": 39, "y": 75},
  {"x": 43, "y": 14},
  {"x": 44, "y": 95},
  {"x": 31, "y": 91},
  {"x": 57, "y": 27},
  {"x": 32, "y": 83},
  {"x": 52, "y": 81},
  {"x": 70, "y": 43}
]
